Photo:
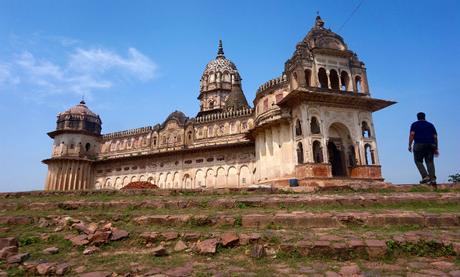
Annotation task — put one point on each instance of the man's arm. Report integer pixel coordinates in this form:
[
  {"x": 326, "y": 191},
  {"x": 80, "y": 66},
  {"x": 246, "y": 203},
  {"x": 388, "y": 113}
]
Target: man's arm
[{"x": 411, "y": 140}]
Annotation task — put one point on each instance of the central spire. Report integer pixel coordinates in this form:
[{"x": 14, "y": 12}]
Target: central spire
[{"x": 220, "y": 51}]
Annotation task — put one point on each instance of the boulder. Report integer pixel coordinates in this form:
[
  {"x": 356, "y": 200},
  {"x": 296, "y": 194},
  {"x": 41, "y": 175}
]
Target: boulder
[
  {"x": 100, "y": 237},
  {"x": 5, "y": 242},
  {"x": 118, "y": 234},
  {"x": 46, "y": 268},
  {"x": 170, "y": 235},
  {"x": 229, "y": 239},
  {"x": 79, "y": 240},
  {"x": 90, "y": 250},
  {"x": 62, "y": 269},
  {"x": 51, "y": 250},
  {"x": 18, "y": 258},
  {"x": 245, "y": 239},
  {"x": 180, "y": 246},
  {"x": 150, "y": 237},
  {"x": 8, "y": 251},
  {"x": 159, "y": 251},
  {"x": 208, "y": 246},
  {"x": 191, "y": 236}
]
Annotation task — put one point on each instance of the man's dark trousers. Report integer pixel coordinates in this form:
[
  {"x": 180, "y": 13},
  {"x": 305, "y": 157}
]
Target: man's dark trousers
[{"x": 425, "y": 151}]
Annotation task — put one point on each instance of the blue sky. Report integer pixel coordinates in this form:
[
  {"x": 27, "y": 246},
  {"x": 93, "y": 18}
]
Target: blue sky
[{"x": 137, "y": 61}]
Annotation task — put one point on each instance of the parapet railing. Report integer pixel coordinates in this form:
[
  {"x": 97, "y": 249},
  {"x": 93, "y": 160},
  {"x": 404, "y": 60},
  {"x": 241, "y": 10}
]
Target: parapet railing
[
  {"x": 224, "y": 115},
  {"x": 273, "y": 82}
]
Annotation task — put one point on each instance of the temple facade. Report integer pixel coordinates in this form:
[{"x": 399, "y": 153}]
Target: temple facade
[{"x": 313, "y": 123}]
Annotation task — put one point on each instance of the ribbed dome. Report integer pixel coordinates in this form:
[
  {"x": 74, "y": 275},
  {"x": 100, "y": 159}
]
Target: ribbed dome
[
  {"x": 220, "y": 70},
  {"x": 178, "y": 116},
  {"x": 80, "y": 109},
  {"x": 79, "y": 118},
  {"x": 320, "y": 37}
]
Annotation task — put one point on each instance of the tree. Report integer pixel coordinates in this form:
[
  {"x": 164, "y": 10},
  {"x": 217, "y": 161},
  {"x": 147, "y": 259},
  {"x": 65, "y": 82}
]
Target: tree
[{"x": 455, "y": 178}]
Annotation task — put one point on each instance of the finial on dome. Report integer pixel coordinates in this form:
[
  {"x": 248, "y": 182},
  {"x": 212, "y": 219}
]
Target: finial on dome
[
  {"x": 220, "y": 52},
  {"x": 319, "y": 22},
  {"x": 83, "y": 100}
]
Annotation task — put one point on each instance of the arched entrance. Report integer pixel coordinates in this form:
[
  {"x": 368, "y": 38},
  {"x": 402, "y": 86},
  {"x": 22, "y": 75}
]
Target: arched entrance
[{"x": 337, "y": 148}]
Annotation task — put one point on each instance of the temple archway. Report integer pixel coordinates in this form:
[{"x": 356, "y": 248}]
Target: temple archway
[{"x": 337, "y": 147}]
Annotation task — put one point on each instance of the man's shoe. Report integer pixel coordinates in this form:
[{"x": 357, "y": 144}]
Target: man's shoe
[
  {"x": 425, "y": 180},
  {"x": 433, "y": 184}
]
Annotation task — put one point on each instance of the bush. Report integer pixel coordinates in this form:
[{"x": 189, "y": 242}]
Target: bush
[{"x": 455, "y": 178}]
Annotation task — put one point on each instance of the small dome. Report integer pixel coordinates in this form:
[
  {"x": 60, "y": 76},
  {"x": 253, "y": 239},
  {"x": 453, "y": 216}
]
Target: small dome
[
  {"x": 79, "y": 118},
  {"x": 219, "y": 70},
  {"x": 178, "y": 116},
  {"x": 80, "y": 109},
  {"x": 320, "y": 37}
]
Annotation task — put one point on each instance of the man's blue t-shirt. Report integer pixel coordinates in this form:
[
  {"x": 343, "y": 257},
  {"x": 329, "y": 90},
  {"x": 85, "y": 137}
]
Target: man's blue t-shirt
[{"x": 424, "y": 131}]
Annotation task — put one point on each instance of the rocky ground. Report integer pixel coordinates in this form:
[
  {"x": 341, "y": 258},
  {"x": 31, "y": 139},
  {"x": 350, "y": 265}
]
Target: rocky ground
[{"x": 409, "y": 231}]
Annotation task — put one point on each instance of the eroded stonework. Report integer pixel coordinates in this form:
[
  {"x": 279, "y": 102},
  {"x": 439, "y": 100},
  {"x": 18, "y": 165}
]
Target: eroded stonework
[{"x": 313, "y": 123}]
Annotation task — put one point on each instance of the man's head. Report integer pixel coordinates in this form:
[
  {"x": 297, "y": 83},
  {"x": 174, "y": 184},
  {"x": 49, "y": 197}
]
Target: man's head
[{"x": 421, "y": 116}]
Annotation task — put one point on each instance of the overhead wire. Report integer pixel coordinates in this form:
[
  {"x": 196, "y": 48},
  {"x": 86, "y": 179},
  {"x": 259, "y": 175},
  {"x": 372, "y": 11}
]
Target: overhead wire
[{"x": 351, "y": 15}]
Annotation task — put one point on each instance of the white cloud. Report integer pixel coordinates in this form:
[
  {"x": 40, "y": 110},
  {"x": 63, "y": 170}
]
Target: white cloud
[
  {"x": 6, "y": 77},
  {"x": 82, "y": 72}
]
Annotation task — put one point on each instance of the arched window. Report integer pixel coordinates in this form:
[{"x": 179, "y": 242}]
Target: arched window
[
  {"x": 155, "y": 141},
  {"x": 314, "y": 126},
  {"x": 322, "y": 77},
  {"x": 298, "y": 128},
  {"x": 189, "y": 135},
  {"x": 211, "y": 104},
  {"x": 358, "y": 84},
  {"x": 317, "y": 152},
  {"x": 344, "y": 80},
  {"x": 87, "y": 147},
  {"x": 334, "y": 77},
  {"x": 366, "y": 130},
  {"x": 299, "y": 153},
  {"x": 369, "y": 154},
  {"x": 308, "y": 77}
]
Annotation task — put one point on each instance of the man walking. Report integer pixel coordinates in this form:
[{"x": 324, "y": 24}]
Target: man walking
[{"x": 423, "y": 135}]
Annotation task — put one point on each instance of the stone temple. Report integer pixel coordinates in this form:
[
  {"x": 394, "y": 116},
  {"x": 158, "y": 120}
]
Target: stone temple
[{"x": 313, "y": 123}]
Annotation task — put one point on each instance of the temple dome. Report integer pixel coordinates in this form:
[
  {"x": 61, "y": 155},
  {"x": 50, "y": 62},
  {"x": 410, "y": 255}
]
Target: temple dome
[
  {"x": 320, "y": 37},
  {"x": 79, "y": 118},
  {"x": 178, "y": 116},
  {"x": 80, "y": 109},
  {"x": 219, "y": 70}
]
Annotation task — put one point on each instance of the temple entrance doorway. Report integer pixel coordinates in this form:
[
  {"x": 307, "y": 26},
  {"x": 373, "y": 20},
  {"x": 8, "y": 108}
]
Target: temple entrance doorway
[{"x": 339, "y": 140}]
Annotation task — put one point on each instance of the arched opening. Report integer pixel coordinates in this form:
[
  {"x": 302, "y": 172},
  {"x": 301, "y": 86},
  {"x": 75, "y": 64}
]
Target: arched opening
[
  {"x": 298, "y": 128},
  {"x": 187, "y": 182},
  {"x": 232, "y": 177},
  {"x": 358, "y": 84},
  {"x": 211, "y": 105},
  {"x": 351, "y": 156},
  {"x": 322, "y": 77},
  {"x": 314, "y": 126},
  {"x": 308, "y": 77},
  {"x": 344, "y": 80},
  {"x": 221, "y": 178},
  {"x": 210, "y": 178},
  {"x": 317, "y": 152},
  {"x": 369, "y": 154},
  {"x": 334, "y": 77},
  {"x": 199, "y": 179},
  {"x": 336, "y": 159},
  {"x": 245, "y": 176},
  {"x": 338, "y": 143},
  {"x": 366, "y": 130},
  {"x": 300, "y": 153}
]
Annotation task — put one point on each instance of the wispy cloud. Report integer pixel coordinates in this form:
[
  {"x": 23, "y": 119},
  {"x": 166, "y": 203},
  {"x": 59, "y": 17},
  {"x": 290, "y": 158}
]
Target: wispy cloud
[{"x": 83, "y": 71}]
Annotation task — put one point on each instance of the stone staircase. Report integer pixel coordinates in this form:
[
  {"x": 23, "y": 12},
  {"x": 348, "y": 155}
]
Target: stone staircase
[{"x": 390, "y": 231}]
